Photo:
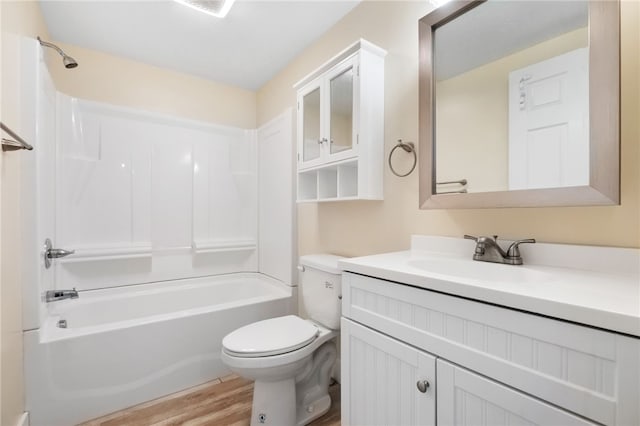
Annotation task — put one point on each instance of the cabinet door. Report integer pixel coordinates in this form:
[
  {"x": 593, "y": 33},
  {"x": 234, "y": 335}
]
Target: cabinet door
[
  {"x": 310, "y": 125},
  {"x": 380, "y": 378},
  {"x": 341, "y": 107},
  {"x": 465, "y": 398}
]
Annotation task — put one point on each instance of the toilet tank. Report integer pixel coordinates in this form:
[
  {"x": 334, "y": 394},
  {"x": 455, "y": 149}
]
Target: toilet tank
[{"x": 321, "y": 288}]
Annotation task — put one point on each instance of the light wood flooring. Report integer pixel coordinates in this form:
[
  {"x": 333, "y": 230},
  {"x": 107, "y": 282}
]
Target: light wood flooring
[{"x": 225, "y": 401}]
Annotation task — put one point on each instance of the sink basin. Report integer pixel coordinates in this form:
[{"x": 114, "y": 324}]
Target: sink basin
[{"x": 479, "y": 271}]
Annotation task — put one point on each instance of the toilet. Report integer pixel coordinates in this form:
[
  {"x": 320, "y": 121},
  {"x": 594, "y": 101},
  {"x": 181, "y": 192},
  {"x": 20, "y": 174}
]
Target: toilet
[{"x": 289, "y": 358}]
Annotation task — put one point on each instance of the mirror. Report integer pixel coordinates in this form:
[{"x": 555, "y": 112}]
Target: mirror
[
  {"x": 311, "y": 125},
  {"x": 519, "y": 104},
  {"x": 341, "y": 120}
]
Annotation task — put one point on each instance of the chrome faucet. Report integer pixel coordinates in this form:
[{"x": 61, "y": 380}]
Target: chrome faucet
[
  {"x": 488, "y": 250},
  {"x": 55, "y": 295}
]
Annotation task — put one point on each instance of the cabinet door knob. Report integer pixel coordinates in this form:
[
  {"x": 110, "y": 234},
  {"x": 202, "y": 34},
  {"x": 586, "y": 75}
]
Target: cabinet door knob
[{"x": 423, "y": 385}]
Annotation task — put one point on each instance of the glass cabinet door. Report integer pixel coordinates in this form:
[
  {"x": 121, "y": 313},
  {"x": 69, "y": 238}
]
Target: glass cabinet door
[
  {"x": 311, "y": 137},
  {"x": 341, "y": 111}
]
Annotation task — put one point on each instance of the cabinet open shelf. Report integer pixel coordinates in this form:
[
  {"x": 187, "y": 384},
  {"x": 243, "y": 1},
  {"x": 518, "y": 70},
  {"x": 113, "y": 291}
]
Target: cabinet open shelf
[{"x": 333, "y": 182}]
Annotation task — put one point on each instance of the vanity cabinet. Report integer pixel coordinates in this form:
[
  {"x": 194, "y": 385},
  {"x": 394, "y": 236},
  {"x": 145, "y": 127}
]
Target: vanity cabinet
[
  {"x": 340, "y": 127},
  {"x": 494, "y": 365},
  {"x": 383, "y": 378}
]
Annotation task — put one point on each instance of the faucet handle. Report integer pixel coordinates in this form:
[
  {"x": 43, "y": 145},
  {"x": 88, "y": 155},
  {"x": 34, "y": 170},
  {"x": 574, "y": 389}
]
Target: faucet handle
[
  {"x": 470, "y": 237},
  {"x": 514, "y": 250}
]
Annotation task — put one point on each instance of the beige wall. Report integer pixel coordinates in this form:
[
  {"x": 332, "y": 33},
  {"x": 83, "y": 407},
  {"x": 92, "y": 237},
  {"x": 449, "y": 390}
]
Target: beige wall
[
  {"x": 116, "y": 80},
  {"x": 478, "y": 150},
  {"x": 359, "y": 227},
  {"x": 18, "y": 18}
]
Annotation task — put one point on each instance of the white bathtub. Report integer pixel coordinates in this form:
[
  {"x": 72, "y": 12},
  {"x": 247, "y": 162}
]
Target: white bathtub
[{"x": 126, "y": 345}]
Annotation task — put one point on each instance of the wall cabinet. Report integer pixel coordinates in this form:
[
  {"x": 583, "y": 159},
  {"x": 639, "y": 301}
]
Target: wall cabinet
[
  {"x": 495, "y": 366},
  {"x": 341, "y": 127}
]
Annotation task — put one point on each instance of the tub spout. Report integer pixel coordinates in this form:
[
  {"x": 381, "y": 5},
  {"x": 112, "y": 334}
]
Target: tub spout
[{"x": 55, "y": 295}]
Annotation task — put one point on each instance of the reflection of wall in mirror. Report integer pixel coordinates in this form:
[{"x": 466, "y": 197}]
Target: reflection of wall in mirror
[
  {"x": 472, "y": 116},
  {"x": 341, "y": 132},
  {"x": 311, "y": 131}
]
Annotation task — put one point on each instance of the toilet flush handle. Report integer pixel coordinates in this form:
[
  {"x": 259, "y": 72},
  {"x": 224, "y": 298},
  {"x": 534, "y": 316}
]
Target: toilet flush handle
[{"x": 300, "y": 268}]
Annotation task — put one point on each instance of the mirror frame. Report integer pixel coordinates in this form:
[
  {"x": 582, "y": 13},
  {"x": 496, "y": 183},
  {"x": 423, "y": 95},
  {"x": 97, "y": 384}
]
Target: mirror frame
[{"x": 604, "y": 117}]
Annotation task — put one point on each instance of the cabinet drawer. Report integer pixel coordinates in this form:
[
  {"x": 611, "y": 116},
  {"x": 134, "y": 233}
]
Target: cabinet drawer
[{"x": 587, "y": 371}]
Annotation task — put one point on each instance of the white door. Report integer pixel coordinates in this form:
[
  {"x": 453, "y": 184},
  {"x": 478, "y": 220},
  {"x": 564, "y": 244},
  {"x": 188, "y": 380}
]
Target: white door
[
  {"x": 380, "y": 378},
  {"x": 549, "y": 123},
  {"x": 465, "y": 398}
]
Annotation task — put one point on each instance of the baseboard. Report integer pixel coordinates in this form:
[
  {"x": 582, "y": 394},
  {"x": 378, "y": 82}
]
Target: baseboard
[{"x": 24, "y": 419}]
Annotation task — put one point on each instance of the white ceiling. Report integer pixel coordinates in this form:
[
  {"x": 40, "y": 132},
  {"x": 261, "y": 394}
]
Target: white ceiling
[
  {"x": 245, "y": 49},
  {"x": 498, "y": 28}
]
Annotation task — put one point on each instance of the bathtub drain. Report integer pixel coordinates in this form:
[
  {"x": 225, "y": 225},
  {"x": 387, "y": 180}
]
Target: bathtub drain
[{"x": 62, "y": 323}]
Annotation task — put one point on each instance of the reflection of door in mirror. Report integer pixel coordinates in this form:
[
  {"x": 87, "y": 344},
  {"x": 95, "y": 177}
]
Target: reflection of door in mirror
[
  {"x": 341, "y": 120},
  {"x": 549, "y": 123},
  {"x": 311, "y": 128},
  {"x": 474, "y": 55}
]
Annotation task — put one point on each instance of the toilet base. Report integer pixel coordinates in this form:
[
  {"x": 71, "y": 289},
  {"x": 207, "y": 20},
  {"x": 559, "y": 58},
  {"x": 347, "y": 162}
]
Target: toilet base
[
  {"x": 299, "y": 400},
  {"x": 274, "y": 403}
]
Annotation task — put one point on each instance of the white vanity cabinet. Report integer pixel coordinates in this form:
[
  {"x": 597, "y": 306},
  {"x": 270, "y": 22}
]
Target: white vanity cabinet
[
  {"x": 383, "y": 378},
  {"x": 340, "y": 127},
  {"x": 494, "y": 365}
]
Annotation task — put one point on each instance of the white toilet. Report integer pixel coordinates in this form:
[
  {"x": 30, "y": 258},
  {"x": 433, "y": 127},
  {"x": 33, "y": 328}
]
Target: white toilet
[{"x": 289, "y": 358}]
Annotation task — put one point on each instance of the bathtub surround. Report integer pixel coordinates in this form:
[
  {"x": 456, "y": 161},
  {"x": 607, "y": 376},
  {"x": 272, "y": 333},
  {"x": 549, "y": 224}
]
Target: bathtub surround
[
  {"x": 115, "y": 158},
  {"x": 142, "y": 197}
]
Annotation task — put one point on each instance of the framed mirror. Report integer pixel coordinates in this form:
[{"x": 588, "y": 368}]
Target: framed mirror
[{"x": 520, "y": 104}]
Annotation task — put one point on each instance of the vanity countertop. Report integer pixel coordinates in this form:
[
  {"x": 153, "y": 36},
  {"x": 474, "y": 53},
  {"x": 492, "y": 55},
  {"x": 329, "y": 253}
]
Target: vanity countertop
[{"x": 596, "y": 286}]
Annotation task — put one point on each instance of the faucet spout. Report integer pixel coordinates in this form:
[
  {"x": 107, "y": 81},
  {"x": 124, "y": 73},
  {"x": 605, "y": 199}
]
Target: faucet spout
[
  {"x": 55, "y": 295},
  {"x": 488, "y": 250}
]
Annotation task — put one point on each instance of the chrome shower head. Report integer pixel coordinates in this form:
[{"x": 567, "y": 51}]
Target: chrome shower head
[{"x": 67, "y": 60}]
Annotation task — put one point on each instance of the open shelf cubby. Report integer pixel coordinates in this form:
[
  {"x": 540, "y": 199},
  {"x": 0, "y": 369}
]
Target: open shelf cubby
[
  {"x": 331, "y": 182},
  {"x": 308, "y": 186},
  {"x": 348, "y": 180},
  {"x": 328, "y": 182}
]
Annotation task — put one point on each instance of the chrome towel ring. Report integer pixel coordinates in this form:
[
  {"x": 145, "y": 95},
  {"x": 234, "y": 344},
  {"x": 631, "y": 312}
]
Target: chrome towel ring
[{"x": 407, "y": 147}]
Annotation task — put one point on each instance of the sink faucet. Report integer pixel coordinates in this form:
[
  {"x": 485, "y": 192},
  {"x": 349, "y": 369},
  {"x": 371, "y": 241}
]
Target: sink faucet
[
  {"x": 488, "y": 250},
  {"x": 55, "y": 295}
]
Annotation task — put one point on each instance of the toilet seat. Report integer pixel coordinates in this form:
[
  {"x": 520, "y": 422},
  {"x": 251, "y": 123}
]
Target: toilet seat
[{"x": 270, "y": 337}]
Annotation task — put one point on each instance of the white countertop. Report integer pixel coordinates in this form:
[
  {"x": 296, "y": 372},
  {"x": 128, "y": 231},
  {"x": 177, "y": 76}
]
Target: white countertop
[{"x": 596, "y": 286}]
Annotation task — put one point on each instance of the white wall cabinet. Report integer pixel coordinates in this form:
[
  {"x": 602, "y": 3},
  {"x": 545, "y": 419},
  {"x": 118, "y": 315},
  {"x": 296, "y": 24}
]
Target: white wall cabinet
[
  {"x": 495, "y": 366},
  {"x": 340, "y": 127}
]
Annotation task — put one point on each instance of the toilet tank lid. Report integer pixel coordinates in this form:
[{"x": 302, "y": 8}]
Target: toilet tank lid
[{"x": 323, "y": 262}]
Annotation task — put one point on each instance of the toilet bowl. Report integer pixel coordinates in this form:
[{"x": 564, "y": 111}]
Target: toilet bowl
[{"x": 289, "y": 358}]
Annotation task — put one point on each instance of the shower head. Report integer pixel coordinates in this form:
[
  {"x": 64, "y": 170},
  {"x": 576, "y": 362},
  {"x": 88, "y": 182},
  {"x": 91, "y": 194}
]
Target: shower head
[{"x": 67, "y": 60}]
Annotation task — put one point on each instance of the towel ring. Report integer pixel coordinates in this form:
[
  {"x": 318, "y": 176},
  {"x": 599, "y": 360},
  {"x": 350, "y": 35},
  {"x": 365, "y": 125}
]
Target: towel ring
[{"x": 407, "y": 147}]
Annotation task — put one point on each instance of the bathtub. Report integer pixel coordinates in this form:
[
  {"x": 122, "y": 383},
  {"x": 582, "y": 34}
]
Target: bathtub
[{"x": 123, "y": 346}]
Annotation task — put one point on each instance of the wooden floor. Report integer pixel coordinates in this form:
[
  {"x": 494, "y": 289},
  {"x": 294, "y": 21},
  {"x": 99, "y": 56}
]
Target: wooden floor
[{"x": 225, "y": 401}]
